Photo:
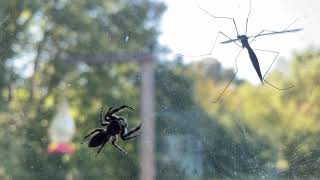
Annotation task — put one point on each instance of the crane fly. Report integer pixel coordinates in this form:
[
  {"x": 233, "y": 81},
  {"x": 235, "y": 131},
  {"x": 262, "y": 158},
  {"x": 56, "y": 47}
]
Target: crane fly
[{"x": 245, "y": 44}]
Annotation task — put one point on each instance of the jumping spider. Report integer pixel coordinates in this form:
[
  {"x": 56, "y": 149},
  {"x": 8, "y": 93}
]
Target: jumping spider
[{"x": 114, "y": 125}]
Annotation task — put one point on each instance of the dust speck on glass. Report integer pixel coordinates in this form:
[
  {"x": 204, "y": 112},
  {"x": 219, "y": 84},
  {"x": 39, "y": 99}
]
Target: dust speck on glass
[{"x": 118, "y": 73}]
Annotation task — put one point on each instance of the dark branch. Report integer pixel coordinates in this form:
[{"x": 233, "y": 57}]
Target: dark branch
[{"x": 108, "y": 58}]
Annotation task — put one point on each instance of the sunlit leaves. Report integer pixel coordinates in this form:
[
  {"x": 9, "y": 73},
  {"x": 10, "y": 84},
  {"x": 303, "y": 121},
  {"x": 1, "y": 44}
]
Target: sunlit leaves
[{"x": 287, "y": 120}]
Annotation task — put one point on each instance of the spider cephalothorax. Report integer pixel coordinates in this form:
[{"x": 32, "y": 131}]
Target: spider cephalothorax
[{"x": 114, "y": 125}]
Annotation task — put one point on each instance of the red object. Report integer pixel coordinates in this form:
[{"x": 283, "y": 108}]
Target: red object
[{"x": 61, "y": 148}]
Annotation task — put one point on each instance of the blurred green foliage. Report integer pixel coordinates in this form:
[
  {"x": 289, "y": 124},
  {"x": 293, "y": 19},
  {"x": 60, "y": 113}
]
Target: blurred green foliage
[
  {"x": 285, "y": 121},
  {"x": 38, "y": 35},
  {"x": 253, "y": 132}
]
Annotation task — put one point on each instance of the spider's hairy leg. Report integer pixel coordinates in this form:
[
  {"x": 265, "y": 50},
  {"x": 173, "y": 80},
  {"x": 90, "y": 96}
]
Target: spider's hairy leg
[
  {"x": 234, "y": 75},
  {"x": 213, "y": 46},
  {"x": 107, "y": 114},
  {"x": 110, "y": 108},
  {"x": 275, "y": 58},
  {"x": 115, "y": 138},
  {"x": 126, "y": 135},
  {"x": 120, "y": 108},
  {"x": 102, "y": 122},
  {"x": 101, "y": 147},
  {"x": 131, "y": 137},
  {"x": 124, "y": 121},
  {"x": 88, "y": 135}
]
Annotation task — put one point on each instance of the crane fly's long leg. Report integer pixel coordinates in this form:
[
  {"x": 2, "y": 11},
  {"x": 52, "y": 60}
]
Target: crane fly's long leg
[
  {"x": 264, "y": 30},
  {"x": 263, "y": 77},
  {"x": 248, "y": 19},
  {"x": 235, "y": 73},
  {"x": 218, "y": 17},
  {"x": 116, "y": 145},
  {"x": 275, "y": 58},
  {"x": 96, "y": 130},
  {"x": 214, "y": 44}
]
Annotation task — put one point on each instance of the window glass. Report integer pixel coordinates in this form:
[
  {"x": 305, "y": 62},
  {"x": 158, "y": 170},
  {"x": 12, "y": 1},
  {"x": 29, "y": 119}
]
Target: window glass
[{"x": 153, "y": 78}]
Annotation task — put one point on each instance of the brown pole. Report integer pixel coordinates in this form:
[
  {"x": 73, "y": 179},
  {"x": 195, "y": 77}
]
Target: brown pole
[{"x": 147, "y": 166}]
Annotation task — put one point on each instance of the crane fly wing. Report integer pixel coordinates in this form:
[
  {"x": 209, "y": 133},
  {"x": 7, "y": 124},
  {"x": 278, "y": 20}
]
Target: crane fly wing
[
  {"x": 264, "y": 34},
  {"x": 229, "y": 41},
  {"x": 279, "y": 32}
]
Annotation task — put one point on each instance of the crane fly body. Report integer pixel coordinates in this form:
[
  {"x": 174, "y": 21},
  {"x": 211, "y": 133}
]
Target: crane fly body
[
  {"x": 252, "y": 55},
  {"x": 244, "y": 39}
]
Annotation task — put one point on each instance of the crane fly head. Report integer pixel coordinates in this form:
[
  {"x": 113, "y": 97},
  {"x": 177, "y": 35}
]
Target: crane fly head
[{"x": 243, "y": 39}]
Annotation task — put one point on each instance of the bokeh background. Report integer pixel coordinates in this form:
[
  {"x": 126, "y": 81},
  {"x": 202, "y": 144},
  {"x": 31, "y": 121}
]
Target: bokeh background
[{"x": 47, "y": 72}]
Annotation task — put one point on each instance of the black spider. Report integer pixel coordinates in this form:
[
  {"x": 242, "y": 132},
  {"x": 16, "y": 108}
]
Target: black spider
[{"x": 114, "y": 125}]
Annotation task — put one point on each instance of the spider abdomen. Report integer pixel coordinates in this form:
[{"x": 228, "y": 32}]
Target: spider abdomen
[{"x": 99, "y": 139}]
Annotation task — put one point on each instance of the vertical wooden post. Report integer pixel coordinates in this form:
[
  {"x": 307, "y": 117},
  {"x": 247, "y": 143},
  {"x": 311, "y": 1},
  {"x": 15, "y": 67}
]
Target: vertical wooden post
[
  {"x": 147, "y": 163},
  {"x": 147, "y": 166}
]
